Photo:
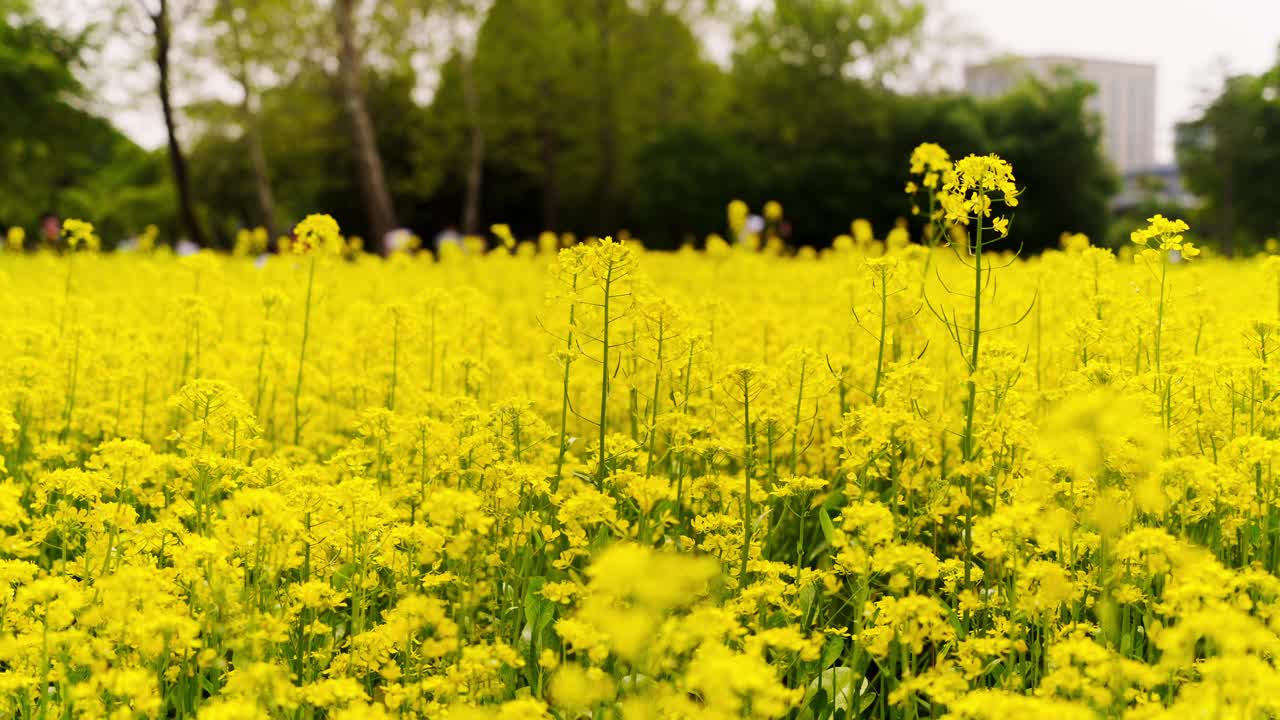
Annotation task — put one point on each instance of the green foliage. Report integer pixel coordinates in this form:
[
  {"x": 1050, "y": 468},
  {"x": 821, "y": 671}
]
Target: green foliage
[
  {"x": 688, "y": 172},
  {"x": 539, "y": 98},
  {"x": 567, "y": 95},
  {"x": 837, "y": 43},
  {"x": 1230, "y": 156},
  {"x": 306, "y": 143},
  {"x": 1047, "y": 133},
  {"x": 811, "y": 108},
  {"x": 36, "y": 64},
  {"x": 124, "y": 194},
  {"x": 57, "y": 157},
  {"x": 825, "y": 162}
]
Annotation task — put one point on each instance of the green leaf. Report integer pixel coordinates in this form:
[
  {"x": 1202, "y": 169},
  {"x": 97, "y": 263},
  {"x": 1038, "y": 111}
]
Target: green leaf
[
  {"x": 828, "y": 530},
  {"x": 539, "y": 612},
  {"x": 838, "y": 684},
  {"x": 533, "y": 600},
  {"x": 636, "y": 683},
  {"x": 831, "y": 651},
  {"x": 342, "y": 578},
  {"x": 807, "y": 594}
]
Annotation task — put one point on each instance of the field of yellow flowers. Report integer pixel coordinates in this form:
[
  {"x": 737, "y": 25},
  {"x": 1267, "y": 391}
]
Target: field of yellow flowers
[{"x": 890, "y": 480}]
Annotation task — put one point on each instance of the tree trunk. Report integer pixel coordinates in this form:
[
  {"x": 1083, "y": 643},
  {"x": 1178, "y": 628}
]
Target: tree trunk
[
  {"x": 261, "y": 175},
  {"x": 667, "y": 90},
  {"x": 550, "y": 179},
  {"x": 608, "y": 143},
  {"x": 1228, "y": 213},
  {"x": 475, "y": 157},
  {"x": 177, "y": 162},
  {"x": 475, "y": 176},
  {"x": 253, "y": 137},
  {"x": 369, "y": 173}
]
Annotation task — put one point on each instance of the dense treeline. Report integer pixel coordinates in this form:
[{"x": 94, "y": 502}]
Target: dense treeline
[
  {"x": 588, "y": 117},
  {"x": 1230, "y": 156},
  {"x": 56, "y": 156}
]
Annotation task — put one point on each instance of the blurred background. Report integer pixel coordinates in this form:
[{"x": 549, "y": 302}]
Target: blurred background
[{"x": 205, "y": 117}]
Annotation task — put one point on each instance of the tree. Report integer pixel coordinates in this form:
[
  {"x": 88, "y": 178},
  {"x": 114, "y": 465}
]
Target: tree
[
  {"x": 159, "y": 16},
  {"x": 370, "y": 176},
  {"x": 532, "y": 89},
  {"x": 809, "y": 100},
  {"x": 538, "y": 98},
  {"x": 122, "y": 187},
  {"x": 245, "y": 45},
  {"x": 37, "y": 64},
  {"x": 605, "y": 21},
  {"x": 690, "y": 172},
  {"x": 351, "y": 45},
  {"x": 1046, "y": 131},
  {"x": 306, "y": 140},
  {"x": 790, "y": 48},
  {"x": 467, "y": 14},
  {"x": 56, "y": 156},
  {"x": 1230, "y": 156},
  {"x": 808, "y": 115}
]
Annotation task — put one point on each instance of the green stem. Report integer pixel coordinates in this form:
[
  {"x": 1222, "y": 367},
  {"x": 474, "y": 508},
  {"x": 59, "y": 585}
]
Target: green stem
[
  {"x": 604, "y": 376},
  {"x": 795, "y": 433},
  {"x": 884, "y": 324},
  {"x": 971, "y": 406},
  {"x": 302, "y": 354},
  {"x": 1164, "y": 271},
  {"x": 749, "y": 468},
  {"x": 564, "y": 395},
  {"x": 395, "y": 359},
  {"x": 653, "y": 416}
]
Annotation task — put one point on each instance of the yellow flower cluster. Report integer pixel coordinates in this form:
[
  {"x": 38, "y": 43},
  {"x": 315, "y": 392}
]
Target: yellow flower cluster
[
  {"x": 968, "y": 189},
  {"x": 931, "y": 163},
  {"x": 737, "y": 216},
  {"x": 79, "y": 235},
  {"x": 316, "y": 233},
  {"x": 14, "y": 239},
  {"x": 1162, "y": 235}
]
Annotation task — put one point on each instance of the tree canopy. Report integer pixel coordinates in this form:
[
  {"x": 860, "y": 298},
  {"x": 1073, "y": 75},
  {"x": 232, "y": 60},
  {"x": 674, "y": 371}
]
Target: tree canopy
[
  {"x": 1230, "y": 157},
  {"x": 584, "y": 117},
  {"x": 55, "y": 156}
]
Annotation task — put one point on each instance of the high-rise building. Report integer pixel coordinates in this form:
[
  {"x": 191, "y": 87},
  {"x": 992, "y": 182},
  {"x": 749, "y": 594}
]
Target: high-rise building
[{"x": 1125, "y": 99}]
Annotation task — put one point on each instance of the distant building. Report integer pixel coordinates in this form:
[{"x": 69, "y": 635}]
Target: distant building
[{"x": 1125, "y": 100}]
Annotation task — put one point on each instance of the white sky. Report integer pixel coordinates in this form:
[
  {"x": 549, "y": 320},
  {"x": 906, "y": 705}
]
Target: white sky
[{"x": 1189, "y": 41}]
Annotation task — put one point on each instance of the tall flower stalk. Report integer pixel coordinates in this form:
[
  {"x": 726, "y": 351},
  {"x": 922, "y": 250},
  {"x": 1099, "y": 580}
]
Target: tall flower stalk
[
  {"x": 1159, "y": 240},
  {"x": 969, "y": 191},
  {"x": 314, "y": 234}
]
